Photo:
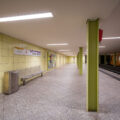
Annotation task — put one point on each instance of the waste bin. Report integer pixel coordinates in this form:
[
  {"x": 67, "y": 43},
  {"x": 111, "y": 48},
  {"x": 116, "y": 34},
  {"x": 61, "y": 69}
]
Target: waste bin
[{"x": 11, "y": 82}]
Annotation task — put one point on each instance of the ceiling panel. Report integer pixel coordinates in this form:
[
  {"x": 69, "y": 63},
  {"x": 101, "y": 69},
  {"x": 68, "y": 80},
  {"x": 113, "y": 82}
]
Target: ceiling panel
[{"x": 68, "y": 24}]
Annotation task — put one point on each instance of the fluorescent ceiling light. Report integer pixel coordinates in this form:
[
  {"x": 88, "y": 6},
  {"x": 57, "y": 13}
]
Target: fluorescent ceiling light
[
  {"x": 63, "y": 50},
  {"x": 57, "y": 44},
  {"x": 105, "y": 38},
  {"x": 26, "y": 17},
  {"x": 101, "y": 46}
]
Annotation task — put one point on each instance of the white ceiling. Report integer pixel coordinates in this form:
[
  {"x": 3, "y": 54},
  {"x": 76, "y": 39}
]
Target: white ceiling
[{"x": 68, "y": 24}]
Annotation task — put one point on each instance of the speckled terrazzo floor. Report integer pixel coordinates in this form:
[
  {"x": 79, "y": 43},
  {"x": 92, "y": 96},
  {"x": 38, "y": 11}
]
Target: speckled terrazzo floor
[{"x": 61, "y": 95}]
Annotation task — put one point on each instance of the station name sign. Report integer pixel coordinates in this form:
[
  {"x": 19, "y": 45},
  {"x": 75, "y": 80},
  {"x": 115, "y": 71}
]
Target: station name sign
[{"x": 22, "y": 51}]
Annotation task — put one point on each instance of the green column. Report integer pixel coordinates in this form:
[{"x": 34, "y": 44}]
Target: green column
[
  {"x": 85, "y": 59},
  {"x": 114, "y": 59},
  {"x": 78, "y": 60},
  {"x": 92, "y": 80},
  {"x": 81, "y": 60},
  {"x": 105, "y": 60}
]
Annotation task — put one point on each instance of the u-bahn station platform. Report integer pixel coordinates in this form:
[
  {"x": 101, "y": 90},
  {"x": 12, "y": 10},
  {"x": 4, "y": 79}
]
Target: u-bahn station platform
[
  {"x": 61, "y": 95},
  {"x": 60, "y": 60}
]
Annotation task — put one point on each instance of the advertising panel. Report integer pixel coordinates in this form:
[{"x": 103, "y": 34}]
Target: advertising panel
[{"x": 51, "y": 60}]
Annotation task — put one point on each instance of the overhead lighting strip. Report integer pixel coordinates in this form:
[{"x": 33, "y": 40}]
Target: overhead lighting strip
[
  {"x": 101, "y": 46},
  {"x": 27, "y": 17},
  {"x": 58, "y": 44},
  {"x": 105, "y": 38},
  {"x": 64, "y": 50}
]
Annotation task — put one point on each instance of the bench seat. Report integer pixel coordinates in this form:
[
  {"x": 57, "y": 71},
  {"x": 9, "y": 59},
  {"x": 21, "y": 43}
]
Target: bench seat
[{"x": 29, "y": 74}]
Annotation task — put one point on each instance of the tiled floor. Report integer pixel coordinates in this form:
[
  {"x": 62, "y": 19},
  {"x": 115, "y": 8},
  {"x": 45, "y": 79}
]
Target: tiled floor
[{"x": 61, "y": 95}]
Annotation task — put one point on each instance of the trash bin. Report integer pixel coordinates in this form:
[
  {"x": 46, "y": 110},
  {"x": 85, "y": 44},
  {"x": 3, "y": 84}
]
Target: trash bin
[{"x": 11, "y": 82}]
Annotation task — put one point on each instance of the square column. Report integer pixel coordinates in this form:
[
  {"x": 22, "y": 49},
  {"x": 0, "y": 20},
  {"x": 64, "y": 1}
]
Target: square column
[
  {"x": 81, "y": 60},
  {"x": 105, "y": 59},
  {"x": 78, "y": 60},
  {"x": 114, "y": 59},
  {"x": 92, "y": 65}
]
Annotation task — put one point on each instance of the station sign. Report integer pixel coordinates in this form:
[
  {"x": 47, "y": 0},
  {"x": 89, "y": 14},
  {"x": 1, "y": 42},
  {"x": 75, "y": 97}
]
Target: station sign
[{"x": 22, "y": 51}]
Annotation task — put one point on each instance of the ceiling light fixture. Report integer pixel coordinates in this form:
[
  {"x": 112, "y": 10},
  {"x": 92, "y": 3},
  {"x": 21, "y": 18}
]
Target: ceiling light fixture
[
  {"x": 63, "y": 50},
  {"x": 57, "y": 44},
  {"x": 105, "y": 38},
  {"x": 101, "y": 46},
  {"x": 26, "y": 17}
]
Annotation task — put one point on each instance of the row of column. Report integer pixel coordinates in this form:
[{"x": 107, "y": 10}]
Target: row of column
[
  {"x": 105, "y": 60},
  {"x": 80, "y": 60},
  {"x": 92, "y": 64}
]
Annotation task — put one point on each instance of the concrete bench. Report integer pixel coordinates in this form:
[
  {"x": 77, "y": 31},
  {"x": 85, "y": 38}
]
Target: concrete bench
[{"x": 29, "y": 74}]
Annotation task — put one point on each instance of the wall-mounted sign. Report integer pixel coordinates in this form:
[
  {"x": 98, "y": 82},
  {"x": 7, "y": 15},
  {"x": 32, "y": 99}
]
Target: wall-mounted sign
[
  {"x": 100, "y": 35},
  {"x": 19, "y": 51},
  {"x": 34, "y": 53},
  {"x": 22, "y": 51}
]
